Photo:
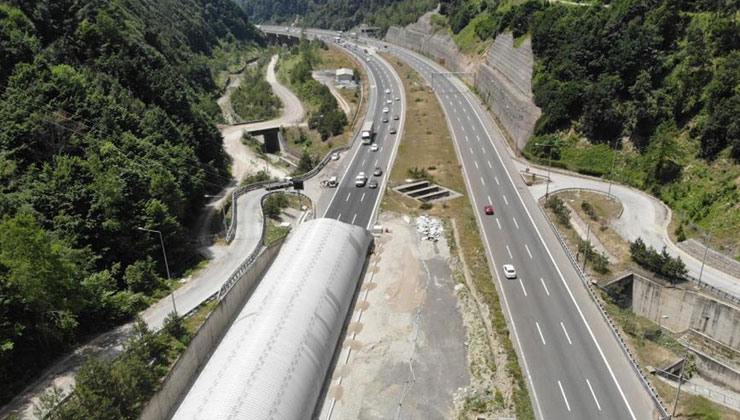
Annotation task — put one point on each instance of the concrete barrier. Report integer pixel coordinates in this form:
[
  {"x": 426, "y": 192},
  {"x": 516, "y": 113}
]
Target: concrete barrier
[
  {"x": 687, "y": 309},
  {"x": 207, "y": 337}
]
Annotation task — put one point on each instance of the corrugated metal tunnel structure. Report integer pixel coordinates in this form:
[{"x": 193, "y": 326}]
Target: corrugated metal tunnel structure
[{"x": 273, "y": 360}]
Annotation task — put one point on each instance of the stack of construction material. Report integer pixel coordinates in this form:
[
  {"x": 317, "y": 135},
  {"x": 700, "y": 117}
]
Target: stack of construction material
[{"x": 429, "y": 228}]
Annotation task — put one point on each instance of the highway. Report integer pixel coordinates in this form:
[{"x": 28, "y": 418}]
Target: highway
[
  {"x": 574, "y": 366},
  {"x": 359, "y": 205}
]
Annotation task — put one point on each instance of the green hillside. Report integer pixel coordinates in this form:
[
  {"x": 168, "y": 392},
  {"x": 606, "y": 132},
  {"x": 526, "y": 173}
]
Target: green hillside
[
  {"x": 106, "y": 124},
  {"x": 651, "y": 86},
  {"x": 337, "y": 14}
]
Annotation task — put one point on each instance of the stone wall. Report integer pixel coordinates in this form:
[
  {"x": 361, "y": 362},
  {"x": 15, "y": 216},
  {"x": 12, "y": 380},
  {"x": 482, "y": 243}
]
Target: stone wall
[
  {"x": 505, "y": 83},
  {"x": 687, "y": 309},
  {"x": 503, "y": 78},
  {"x": 714, "y": 259}
]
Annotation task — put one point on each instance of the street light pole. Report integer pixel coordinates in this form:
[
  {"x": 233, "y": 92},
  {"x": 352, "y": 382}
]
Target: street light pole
[
  {"x": 549, "y": 165},
  {"x": 586, "y": 246},
  {"x": 706, "y": 251},
  {"x": 611, "y": 172},
  {"x": 166, "y": 266},
  {"x": 680, "y": 380}
]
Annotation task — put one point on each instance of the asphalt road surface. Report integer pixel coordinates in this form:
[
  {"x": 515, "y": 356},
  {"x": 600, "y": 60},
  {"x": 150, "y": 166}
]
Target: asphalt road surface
[
  {"x": 574, "y": 367},
  {"x": 350, "y": 203}
]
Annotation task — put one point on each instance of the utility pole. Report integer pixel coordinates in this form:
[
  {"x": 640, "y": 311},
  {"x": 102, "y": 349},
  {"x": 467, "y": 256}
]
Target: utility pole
[
  {"x": 680, "y": 380},
  {"x": 586, "y": 246},
  {"x": 611, "y": 172},
  {"x": 549, "y": 165},
  {"x": 166, "y": 266}
]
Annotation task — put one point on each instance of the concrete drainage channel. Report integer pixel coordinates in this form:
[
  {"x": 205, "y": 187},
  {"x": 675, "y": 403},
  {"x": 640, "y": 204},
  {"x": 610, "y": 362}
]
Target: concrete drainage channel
[{"x": 426, "y": 191}]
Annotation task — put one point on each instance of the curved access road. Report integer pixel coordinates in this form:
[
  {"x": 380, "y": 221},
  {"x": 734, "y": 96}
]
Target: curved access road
[
  {"x": 573, "y": 364},
  {"x": 644, "y": 217}
]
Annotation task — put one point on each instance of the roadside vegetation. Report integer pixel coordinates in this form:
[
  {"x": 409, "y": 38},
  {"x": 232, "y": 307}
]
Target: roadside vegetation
[
  {"x": 648, "y": 88},
  {"x": 324, "y": 114},
  {"x": 319, "y": 138},
  {"x": 107, "y": 124},
  {"x": 121, "y": 387},
  {"x": 254, "y": 99},
  {"x": 498, "y": 388}
]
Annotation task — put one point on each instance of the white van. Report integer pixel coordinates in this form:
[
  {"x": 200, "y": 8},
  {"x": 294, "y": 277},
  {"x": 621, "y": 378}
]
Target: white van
[{"x": 332, "y": 182}]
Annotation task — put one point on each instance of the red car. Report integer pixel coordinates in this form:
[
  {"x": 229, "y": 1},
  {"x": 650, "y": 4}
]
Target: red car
[{"x": 488, "y": 209}]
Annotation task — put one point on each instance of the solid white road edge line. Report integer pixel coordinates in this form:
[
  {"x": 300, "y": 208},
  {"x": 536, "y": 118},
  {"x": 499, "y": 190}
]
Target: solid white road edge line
[
  {"x": 528, "y": 373},
  {"x": 562, "y": 278}
]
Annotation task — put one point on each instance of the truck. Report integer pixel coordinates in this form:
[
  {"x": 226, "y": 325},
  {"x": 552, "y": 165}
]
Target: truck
[{"x": 367, "y": 132}]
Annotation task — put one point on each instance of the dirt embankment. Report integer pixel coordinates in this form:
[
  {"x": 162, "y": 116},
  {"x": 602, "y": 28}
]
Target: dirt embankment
[{"x": 503, "y": 76}]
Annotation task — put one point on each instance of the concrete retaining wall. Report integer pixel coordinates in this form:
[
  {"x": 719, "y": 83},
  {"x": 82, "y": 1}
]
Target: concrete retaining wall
[
  {"x": 504, "y": 78},
  {"x": 687, "y": 309},
  {"x": 716, "y": 372},
  {"x": 206, "y": 339}
]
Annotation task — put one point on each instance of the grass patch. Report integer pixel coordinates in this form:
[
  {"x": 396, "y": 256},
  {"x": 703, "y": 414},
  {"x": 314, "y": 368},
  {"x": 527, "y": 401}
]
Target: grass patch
[
  {"x": 426, "y": 130},
  {"x": 468, "y": 41},
  {"x": 194, "y": 322},
  {"x": 274, "y": 232}
]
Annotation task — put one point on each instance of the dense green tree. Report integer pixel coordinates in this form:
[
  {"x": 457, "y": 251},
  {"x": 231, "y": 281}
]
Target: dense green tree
[
  {"x": 337, "y": 14},
  {"x": 106, "y": 124}
]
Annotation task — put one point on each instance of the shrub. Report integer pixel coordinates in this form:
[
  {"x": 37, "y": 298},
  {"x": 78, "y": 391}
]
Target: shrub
[
  {"x": 589, "y": 210},
  {"x": 274, "y": 205},
  {"x": 680, "y": 234},
  {"x": 426, "y": 206},
  {"x": 562, "y": 213},
  {"x": 419, "y": 173}
]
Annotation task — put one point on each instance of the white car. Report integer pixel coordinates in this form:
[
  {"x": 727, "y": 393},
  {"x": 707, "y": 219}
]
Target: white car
[
  {"x": 335, "y": 156},
  {"x": 374, "y": 148},
  {"x": 509, "y": 271},
  {"x": 388, "y": 91},
  {"x": 397, "y": 98},
  {"x": 360, "y": 179},
  {"x": 385, "y": 110},
  {"x": 389, "y": 101}
]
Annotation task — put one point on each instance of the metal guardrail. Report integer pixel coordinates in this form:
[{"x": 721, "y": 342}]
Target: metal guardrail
[
  {"x": 231, "y": 232},
  {"x": 612, "y": 326},
  {"x": 247, "y": 263},
  {"x": 732, "y": 298},
  {"x": 702, "y": 390}
]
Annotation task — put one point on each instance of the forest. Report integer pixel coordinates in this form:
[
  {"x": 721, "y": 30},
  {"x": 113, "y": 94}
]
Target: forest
[
  {"x": 107, "y": 124},
  {"x": 338, "y": 14},
  {"x": 647, "y": 86}
]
